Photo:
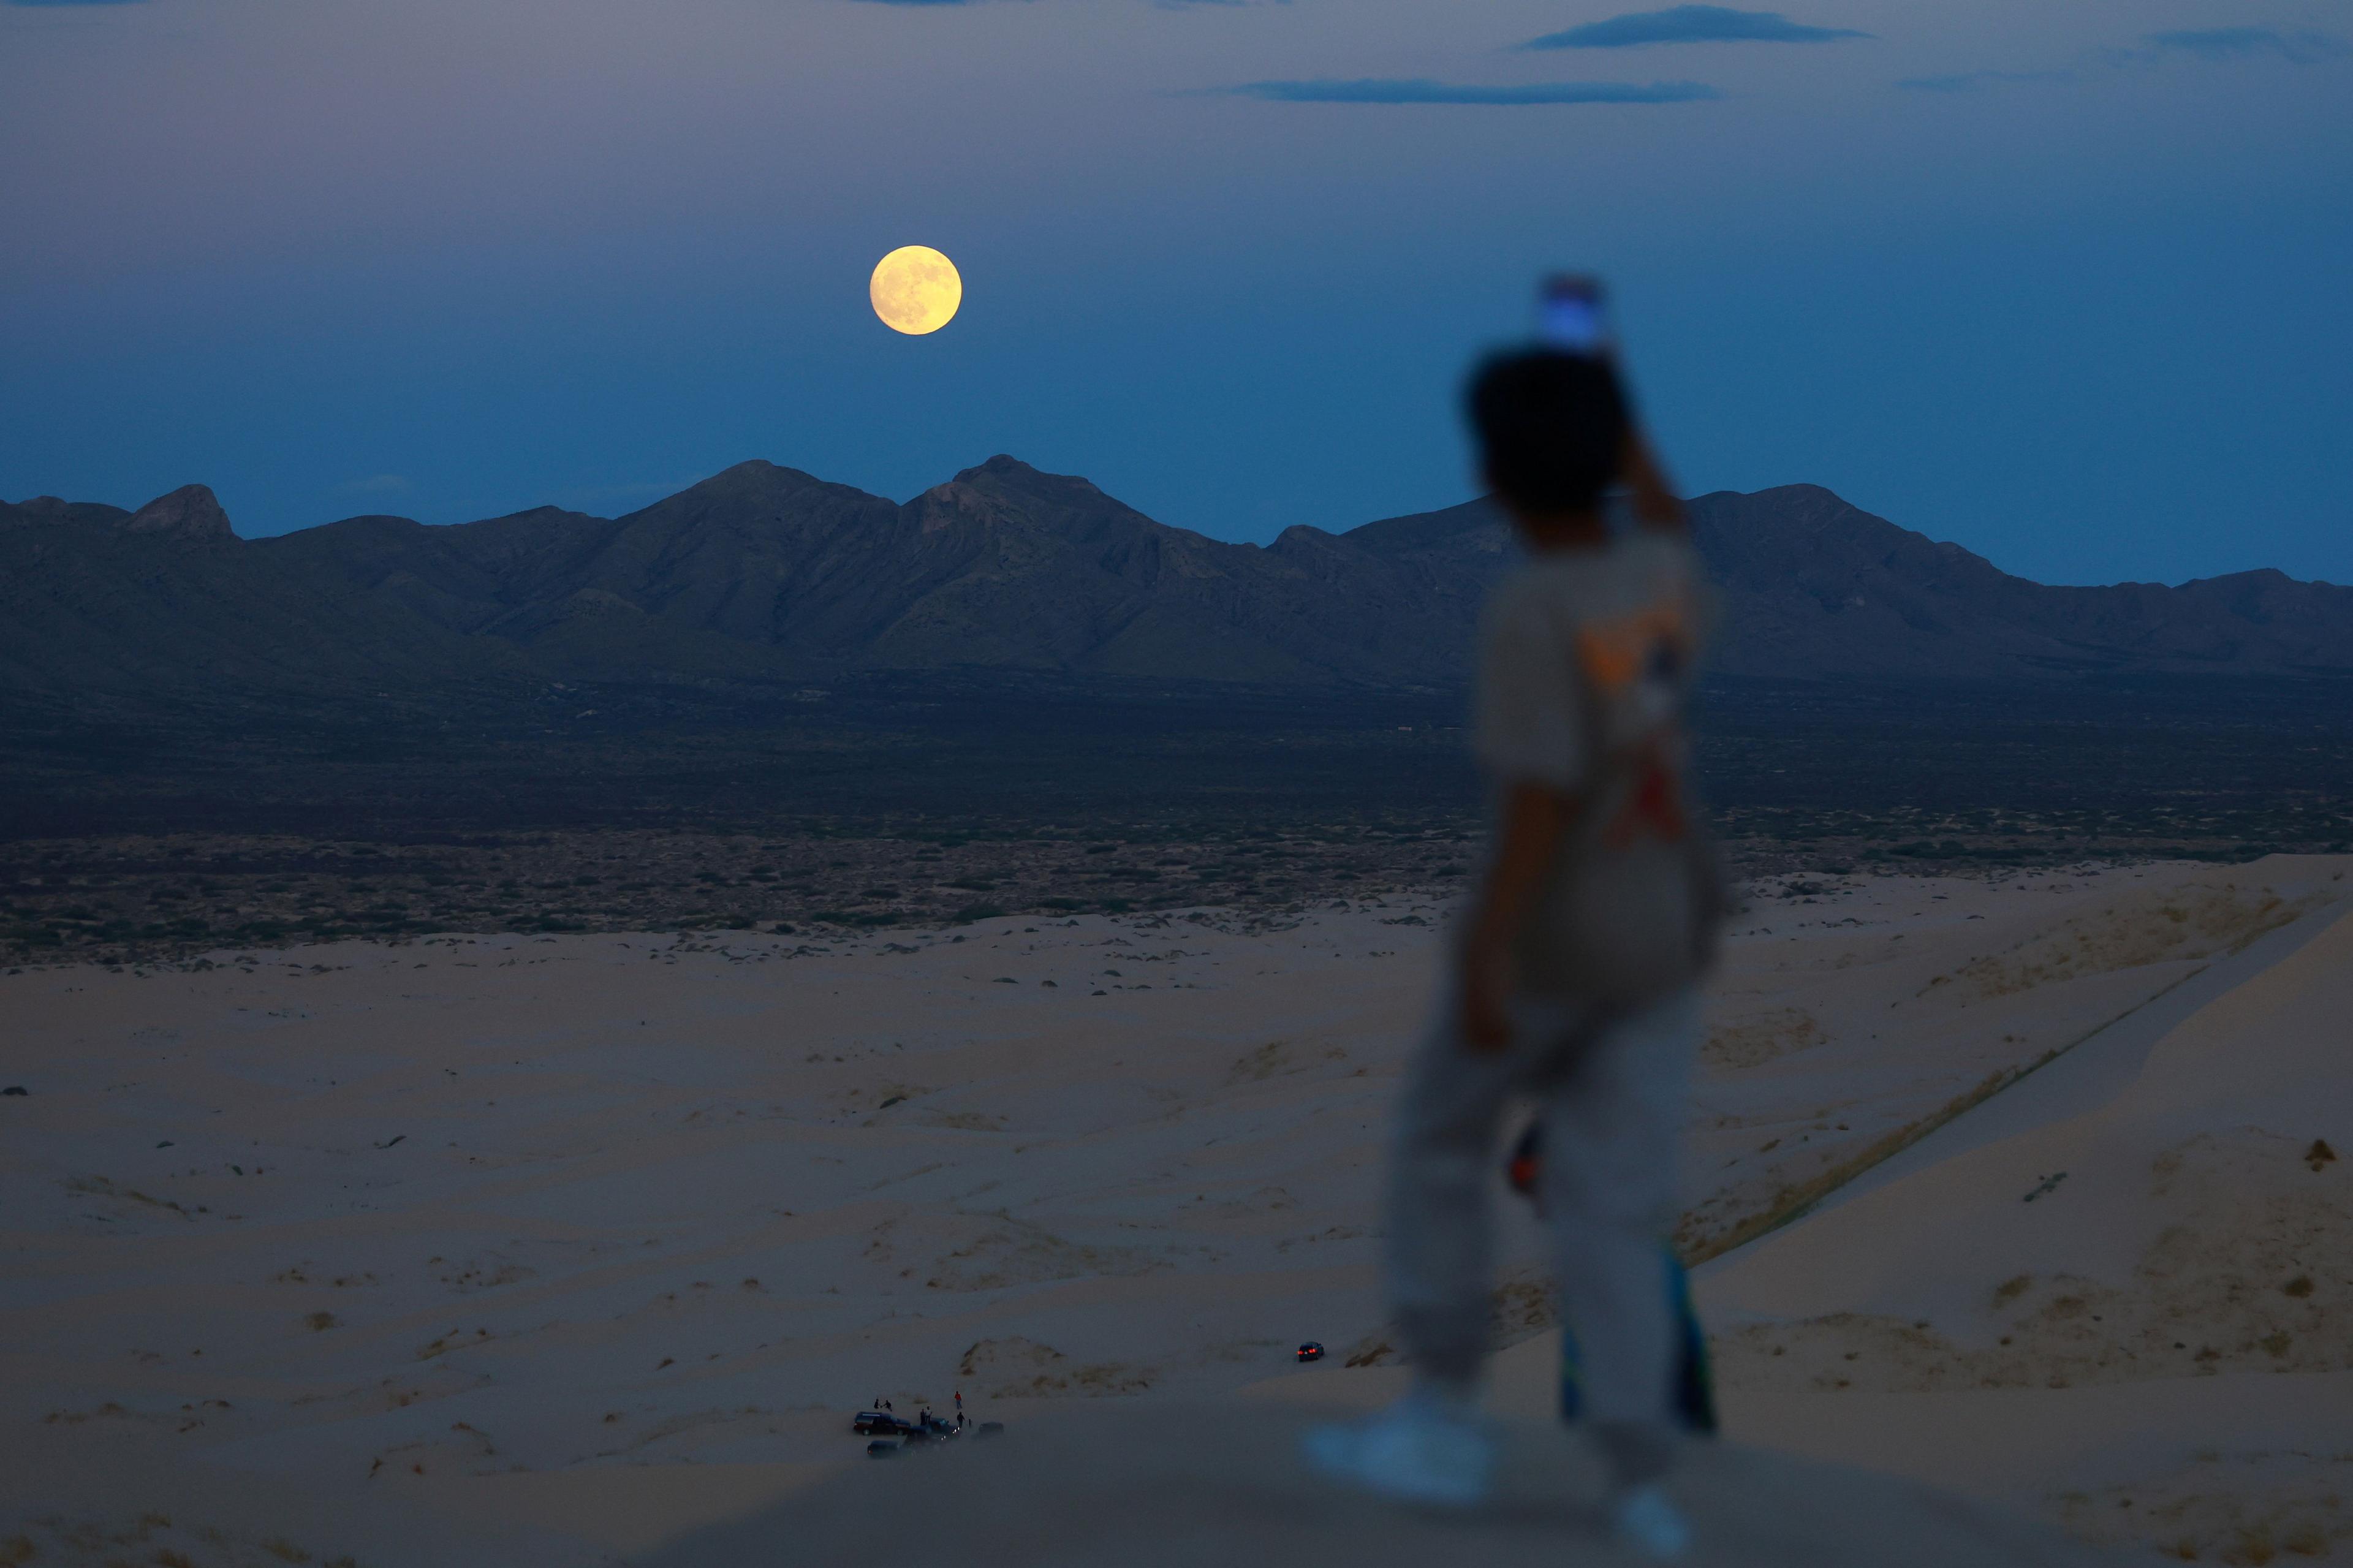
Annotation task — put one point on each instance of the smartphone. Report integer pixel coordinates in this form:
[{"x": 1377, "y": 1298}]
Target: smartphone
[{"x": 1569, "y": 316}]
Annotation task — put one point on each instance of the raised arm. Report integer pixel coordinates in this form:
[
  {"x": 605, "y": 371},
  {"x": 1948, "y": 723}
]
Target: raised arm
[{"x": 1654, "y": 499}]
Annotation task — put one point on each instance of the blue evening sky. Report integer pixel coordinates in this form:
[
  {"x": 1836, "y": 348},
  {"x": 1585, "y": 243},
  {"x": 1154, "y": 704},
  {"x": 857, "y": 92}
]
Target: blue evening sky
[{"x": 2067, "y": 283}]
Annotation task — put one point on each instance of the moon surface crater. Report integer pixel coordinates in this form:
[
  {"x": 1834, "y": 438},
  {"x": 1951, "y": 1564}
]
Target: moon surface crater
[{"x": 915, "y": 290}]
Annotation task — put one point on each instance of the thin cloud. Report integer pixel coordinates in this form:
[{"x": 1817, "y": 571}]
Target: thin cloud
[
  {"x": 2214, "y": 44},
  {"x": 1690, "y": 25},
  {"x": 2245, "y": 42},
  {"x": 1422, "y": 90}
]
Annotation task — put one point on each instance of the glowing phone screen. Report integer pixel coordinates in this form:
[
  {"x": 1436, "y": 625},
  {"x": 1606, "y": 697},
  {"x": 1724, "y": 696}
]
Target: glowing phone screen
[{"x": 1569, "y": 316}]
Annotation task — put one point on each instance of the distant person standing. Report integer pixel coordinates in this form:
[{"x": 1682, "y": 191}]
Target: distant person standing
[{"x": 1576, "y": 964}]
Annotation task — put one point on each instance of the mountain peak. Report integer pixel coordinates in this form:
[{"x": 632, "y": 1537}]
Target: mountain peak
[
  {"x": 749, "y": 469},
  {"x": 1013, "y": 472},
  {"x": 190, "y": 513},
  {"x": 754, "y": 476},
  {"x": 1063, "y": 496}
]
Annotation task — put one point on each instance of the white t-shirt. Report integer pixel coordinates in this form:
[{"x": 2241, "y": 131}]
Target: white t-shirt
[{"x": 1587, "y": 658}]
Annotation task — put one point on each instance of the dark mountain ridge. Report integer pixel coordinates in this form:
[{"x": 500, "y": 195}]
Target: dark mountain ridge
[{"x": 768, "y": 572}]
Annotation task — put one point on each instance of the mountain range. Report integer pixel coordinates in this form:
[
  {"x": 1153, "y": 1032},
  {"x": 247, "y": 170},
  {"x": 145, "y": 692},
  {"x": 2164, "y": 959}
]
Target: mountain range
[{"x": 766, "y": 572}]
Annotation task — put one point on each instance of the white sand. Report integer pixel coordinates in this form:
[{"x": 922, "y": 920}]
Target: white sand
[
  {"x": 2164, "y": 1330},
  {"x": 557, "y": 1246}
]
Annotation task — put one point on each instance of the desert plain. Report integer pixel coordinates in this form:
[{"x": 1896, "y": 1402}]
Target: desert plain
[{"x": 558, "y": 1248}]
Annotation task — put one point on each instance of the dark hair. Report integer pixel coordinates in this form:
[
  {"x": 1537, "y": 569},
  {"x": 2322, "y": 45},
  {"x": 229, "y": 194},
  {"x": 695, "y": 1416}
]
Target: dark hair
[{"x": 1551, "y": 428}]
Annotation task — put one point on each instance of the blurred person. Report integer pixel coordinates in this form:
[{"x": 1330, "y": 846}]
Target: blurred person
[{"x": 1576, "y": 964}]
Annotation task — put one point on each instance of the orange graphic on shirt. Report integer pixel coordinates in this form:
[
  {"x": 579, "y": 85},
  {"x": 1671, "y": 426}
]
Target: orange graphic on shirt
[{"x": 1614, "y": 654}]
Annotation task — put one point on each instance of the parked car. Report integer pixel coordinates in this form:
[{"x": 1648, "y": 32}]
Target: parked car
[{"x": 879, "y": 1424}]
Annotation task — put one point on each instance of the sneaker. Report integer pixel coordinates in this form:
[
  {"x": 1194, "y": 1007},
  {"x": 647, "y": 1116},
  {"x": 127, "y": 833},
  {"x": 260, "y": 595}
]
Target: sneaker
[
  {"x": 1415, "y": 1451},
  {"x": 1645, "y": 1522}
]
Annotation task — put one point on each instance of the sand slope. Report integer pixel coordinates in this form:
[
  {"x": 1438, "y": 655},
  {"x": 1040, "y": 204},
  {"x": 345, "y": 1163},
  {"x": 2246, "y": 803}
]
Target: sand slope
[
  {"x": 2203, "y": 1205},
  {"x": 1845, "y": 1025},
  {"x": 2180, "y": 1234},
  {"x": 499, "y": 1231}
]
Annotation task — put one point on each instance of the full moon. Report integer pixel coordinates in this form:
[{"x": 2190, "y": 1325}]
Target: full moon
[{"x": 915, "y": 290}]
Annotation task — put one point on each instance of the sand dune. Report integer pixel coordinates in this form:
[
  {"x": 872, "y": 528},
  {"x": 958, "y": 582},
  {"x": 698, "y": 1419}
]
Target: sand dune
[
  {"x": 1842, "y": 1034},
  {"x": 2183, "y": 1218},
  {"x": 577, "y": 1241}
]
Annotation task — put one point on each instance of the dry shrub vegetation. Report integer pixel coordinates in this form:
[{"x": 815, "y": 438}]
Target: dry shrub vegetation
[{"x": 140, "y": 901}]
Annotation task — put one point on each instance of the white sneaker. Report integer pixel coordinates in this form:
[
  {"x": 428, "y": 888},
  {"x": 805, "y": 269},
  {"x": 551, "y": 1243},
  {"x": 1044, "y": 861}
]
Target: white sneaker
[
  {"x": 1415, "y": 1451},
  {"x": 1645, "y": 1521}
]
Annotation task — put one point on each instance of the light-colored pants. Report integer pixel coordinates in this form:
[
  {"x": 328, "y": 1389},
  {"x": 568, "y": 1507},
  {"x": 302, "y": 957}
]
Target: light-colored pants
[{"x": 1612, "y": 1096}]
